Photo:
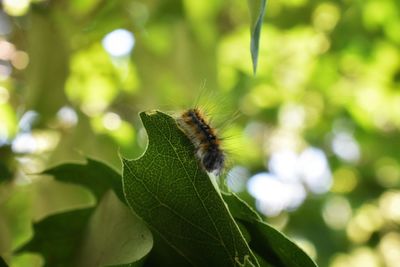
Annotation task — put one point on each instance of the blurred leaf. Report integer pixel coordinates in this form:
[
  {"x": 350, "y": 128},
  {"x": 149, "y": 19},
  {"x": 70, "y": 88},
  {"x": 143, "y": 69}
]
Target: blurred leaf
[
  {"x": 26, "y": 259},
  {"x": 5, "y": 174},
  {"x": 15, "y": 216},
  {"x": 48, "y": 64},
  {"x": 3, "y": 263},
  {"x": 77, "y": 238},
  {"x": 95, "y": 176},
  {"x": 257, "y": 11},
  {"x": 8, "y": 124},
  {"x": 81, "y": 237},
  {"x": 268, "y": 242},
  {"x": 58, "y": 236},
  {"x": 49, "y": 196},
  {"x": 91, "y": 82},
  {"x": 170, "y": 191},
  {"x": 7, "y": 160},
  {"x": 83, "y": 7},
  {"x": 115, "y": 235}
]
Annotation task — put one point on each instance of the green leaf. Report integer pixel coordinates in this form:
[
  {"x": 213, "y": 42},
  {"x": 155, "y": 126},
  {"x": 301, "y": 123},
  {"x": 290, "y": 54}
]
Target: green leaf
[
  {"x": 7, "y": 161},
  {"x": 173, "y": 195},
  {"x": 15, "y": 217},
  {"x": 109, "y": 234},
  {"x": 270, "y": 244},
  {"x": 239, "y": 208},
  {"x": 5, "y": 173},
  {"x": 94, "y": 175},
  {"x": 3, "y": 263},
  {"x": 26, "y": 259},
  {"x": 163, "y": 254},
  {"x": 58, "y": 236},
  {"x": 257, "y": 11},
  {"x": 114, "y": 236}
]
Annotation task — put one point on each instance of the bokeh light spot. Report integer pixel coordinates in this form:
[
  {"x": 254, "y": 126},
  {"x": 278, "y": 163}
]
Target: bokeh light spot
[
  {"x": 346, "y": 147},
  {"x": 111, "y": 121},
  {"x": 345, "y": 179},
  {"x": 119, "y": 43},
  {"x": 284, "y": 165},
  {"x": 20, "y": 60},
  {"x": 35, "y": 142},
  {"x": 389, "y": 248},
  {"x": 7, "y": 50},
  {"x": 387, "y": 172},
  {"x": 314, "y": 170},
  {"x": 27, "y": 120},
  {"x": 326, "y": 16},
  {"x": 269, "y": 193},
  {"x": 366, "y": 220},
  {"x": 337, "y": 212},
  {"x": 24, "y": 143},
  {"x": 16, "y": 7},
  {"x": 273, "y": 195},
  {"x": 237, "y": 178},
  {"x": 292, "y": 116},
  {"x": 359, "y": 257},
  {"x": 389, "y": 204},
  {"x": 290, "y": 173},
  {"x": 67, "y": 117}
]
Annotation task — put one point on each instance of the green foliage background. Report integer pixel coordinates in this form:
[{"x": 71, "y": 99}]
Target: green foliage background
[{"x": 336, "y": 63}]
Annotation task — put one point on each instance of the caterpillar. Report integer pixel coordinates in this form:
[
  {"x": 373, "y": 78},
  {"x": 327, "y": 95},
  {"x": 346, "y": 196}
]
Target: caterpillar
[{"x": 205, "y": 139}]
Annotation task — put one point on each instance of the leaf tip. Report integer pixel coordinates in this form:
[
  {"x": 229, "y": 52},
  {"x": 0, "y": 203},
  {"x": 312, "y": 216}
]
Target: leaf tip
[{"x": 148, "y": 113}]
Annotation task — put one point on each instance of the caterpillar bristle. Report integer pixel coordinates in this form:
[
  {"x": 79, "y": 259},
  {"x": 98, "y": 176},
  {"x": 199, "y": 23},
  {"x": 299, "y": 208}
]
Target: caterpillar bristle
[{"x": 205, "y": 139}]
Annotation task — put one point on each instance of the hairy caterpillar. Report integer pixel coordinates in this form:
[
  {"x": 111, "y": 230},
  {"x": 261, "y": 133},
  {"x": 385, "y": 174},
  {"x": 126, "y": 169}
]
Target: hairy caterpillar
[{"x": 204, "y": 138}]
